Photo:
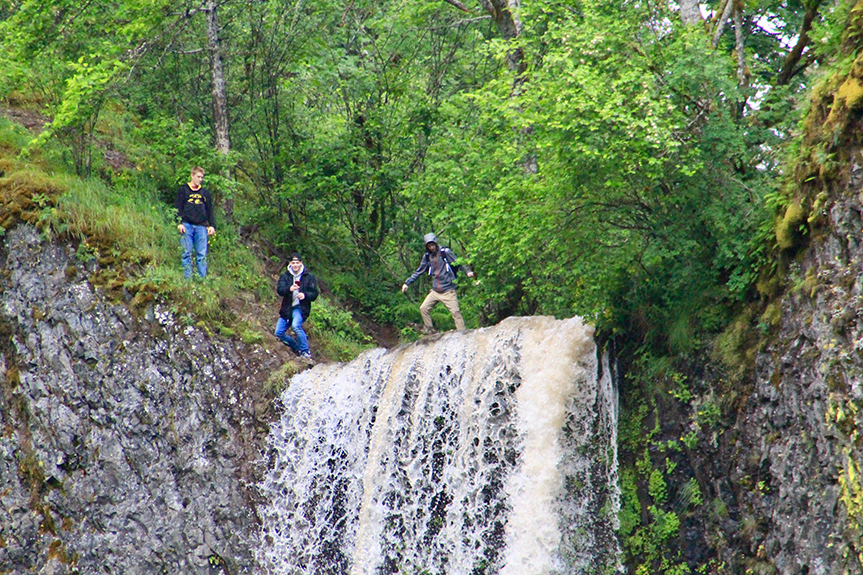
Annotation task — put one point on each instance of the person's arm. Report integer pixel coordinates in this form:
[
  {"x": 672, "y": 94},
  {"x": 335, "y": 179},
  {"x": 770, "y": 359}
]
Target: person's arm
[
  {"x": 286, "y": 280},
  {"x": 211, "y": 220},
  {"x": 424, "y": 266},
  {"x": 310, "y": 290},
  {"x": 452, "y": 258}
]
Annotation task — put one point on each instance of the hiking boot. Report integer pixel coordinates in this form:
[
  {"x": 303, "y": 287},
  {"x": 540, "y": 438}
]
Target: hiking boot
[
  {"x": 307, "y": 357},
  {"x": 427, "y": 330}
]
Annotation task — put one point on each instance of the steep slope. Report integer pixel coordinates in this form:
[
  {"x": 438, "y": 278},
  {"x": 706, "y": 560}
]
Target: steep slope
[
  {"x": 793, "y": 456},
  {"x": 128, "y": 443},
  {"x": 749, "y": 461},
  {"x": 804, "y": 415}
]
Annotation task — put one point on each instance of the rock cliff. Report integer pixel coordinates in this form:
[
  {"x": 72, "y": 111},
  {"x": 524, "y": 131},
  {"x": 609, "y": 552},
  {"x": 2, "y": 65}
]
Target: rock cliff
[
  {"x": 780, "y": 468},
  {"x": 800, "y": 452},
  {"x": 128, "y": 443}
]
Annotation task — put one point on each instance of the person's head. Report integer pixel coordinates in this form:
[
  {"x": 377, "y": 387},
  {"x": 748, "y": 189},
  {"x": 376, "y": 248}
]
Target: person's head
[
  {"x": 430, "y": 241},
  {"x": 296, "y": 262},
  {"x": 197, "y": 176}
]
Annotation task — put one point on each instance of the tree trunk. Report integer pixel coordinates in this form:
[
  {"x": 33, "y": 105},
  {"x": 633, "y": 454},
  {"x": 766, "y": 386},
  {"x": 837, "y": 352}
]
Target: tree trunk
[
  {"x": 742, "y": 75},
  {"x": 504, "y": 13},
  {"x": 509, "y": 26},
  {"x": 220, "y": 99},
  {"x": 689, "y": 12}
]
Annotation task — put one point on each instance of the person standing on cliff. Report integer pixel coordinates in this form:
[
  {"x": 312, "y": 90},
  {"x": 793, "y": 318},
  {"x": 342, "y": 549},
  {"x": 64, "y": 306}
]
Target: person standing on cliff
[
  {"x": 440, "y": 264},
  {"x": 298, "y": 288},
  {"x": 194, "y": 205}
]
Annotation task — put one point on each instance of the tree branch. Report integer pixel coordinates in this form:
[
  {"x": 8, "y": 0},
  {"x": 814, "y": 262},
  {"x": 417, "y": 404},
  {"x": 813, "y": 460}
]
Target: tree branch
[
  {"x": 720, "y": 25},
  {"x": 742, "y": 76},
  {"x": 458, "y": 5},
  {"x": 789, "y": 67}
]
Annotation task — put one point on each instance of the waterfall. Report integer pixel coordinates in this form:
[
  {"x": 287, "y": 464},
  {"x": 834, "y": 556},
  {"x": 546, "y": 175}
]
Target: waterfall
[{"x": 492, "y": 451}]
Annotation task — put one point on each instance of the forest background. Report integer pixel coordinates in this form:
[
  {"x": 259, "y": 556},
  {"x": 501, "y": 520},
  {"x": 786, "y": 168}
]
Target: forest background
[{"x": 616, "y": 160}]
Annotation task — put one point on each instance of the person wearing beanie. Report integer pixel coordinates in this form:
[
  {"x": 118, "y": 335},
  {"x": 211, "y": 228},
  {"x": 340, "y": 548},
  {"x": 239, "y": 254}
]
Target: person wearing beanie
[{"x": 298, "y": 288}]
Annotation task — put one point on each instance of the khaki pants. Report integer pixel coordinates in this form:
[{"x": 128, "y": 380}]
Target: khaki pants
[{"x": 449, "y": 299}]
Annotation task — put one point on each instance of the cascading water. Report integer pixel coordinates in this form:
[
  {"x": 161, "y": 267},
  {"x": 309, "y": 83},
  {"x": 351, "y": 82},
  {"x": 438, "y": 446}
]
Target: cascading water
[{"x": 485, "y": 452}]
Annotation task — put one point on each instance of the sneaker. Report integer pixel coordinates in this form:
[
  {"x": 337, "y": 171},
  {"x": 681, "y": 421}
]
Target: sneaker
[{"x": 308, "y": 357}]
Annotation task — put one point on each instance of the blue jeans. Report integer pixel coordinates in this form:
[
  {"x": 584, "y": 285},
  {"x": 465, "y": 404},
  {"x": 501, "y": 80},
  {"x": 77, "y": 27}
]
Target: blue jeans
[
  {"x": 195, "y": 239},
  {"x": 299, "y": 345}
]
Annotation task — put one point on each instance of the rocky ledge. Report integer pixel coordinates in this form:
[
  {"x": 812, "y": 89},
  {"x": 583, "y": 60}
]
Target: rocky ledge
[{"x": 127, "y": 444}]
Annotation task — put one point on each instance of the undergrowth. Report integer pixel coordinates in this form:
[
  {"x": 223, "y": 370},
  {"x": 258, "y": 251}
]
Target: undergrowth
[{"x": 127, "y": 234}]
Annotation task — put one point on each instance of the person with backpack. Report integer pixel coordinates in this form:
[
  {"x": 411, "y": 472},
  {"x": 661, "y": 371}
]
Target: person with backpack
[
  {"x": 440, "y": 264},
  {"x": 298, "y": 288}
]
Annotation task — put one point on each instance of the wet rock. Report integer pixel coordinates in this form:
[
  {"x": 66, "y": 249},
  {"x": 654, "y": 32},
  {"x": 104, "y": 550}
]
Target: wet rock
[{"x": 127, "y": 444}]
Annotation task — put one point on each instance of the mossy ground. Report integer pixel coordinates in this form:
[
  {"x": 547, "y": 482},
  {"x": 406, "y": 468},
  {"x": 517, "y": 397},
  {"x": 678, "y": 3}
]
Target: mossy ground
[{"x": 127, "y": 242}]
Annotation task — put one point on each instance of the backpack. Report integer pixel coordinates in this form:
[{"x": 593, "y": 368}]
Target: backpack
[
  {"x": 445, "y": 253},
  {"x": 449, "y": 259}
]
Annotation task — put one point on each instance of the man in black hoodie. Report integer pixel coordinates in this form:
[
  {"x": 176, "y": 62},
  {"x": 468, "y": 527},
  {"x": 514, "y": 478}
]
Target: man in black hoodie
[
  {"x": 298, "y": 289},
  {"x": 194, "y": 206}
]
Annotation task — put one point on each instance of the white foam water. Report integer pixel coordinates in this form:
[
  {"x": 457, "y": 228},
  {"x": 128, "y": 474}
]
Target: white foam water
[{"x": 491, "y": 451}]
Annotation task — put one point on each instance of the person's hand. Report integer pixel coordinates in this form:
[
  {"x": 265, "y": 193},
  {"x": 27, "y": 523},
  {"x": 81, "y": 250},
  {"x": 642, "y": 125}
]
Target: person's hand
[
  {"x": 301, "y": 295},
  {"x": 295, "y": 286},
  {"x": 181, "y": 228},
  {"x": 405, "y": 288},
  {"x": 211, "y": 231},
  {"x": 470, "y": 274}
]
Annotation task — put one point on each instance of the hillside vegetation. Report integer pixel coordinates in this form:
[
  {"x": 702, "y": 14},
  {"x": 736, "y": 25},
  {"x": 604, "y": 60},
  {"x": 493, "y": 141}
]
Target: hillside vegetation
[
  {"x": 130, "y": 234},
  {"x": 618, "y": 161}
]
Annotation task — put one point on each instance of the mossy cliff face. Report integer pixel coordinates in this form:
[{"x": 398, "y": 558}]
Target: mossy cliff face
[
  {"x": 127, "y": 444},
  {"x": 798, "y": 452},
  {"x": 772, "y": 438}
]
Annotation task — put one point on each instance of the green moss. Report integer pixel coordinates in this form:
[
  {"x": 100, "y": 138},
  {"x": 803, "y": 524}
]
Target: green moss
[
  {"x": 24, "y": 194},
  {"x": 252, "y": 337},
  {"x": 735, "y": 347},
  {"x": 772, "y": 314},
  {"x": 768, "y": 285},
  {"x": 278, "y": 380},
  {"x": 810, "y": 284},
  {"x": 227, "y": 331},
  {"x": 851, "y": 494},
  {"x": 848, "y": 96},
  {"x": 819, "y": 212},
  {"x": 788, "y": 228},
  {"x": 47, "y": 525}
]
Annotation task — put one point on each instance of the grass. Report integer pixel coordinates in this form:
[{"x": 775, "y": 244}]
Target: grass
[
  {"x": 338, "y": 335},
  {"x": 131, "y": 233}
]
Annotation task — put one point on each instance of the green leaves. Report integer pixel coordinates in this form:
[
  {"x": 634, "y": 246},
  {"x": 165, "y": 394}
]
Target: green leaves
[{"x": 621, "y": 176}]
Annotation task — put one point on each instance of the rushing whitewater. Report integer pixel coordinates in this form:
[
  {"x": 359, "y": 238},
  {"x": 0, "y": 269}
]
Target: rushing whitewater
[{"x": 491, "y": 451}]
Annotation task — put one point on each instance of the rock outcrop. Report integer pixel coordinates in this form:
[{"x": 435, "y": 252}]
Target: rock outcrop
[
  {"x": 784, "y": 466},
  {"x": 127, "y": 444},
  {"x": 798, "y": 460}
]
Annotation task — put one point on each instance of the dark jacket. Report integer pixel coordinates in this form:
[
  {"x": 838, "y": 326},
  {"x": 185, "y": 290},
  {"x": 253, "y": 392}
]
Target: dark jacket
[
  {"x": 443, "y": 274},
  {"x": 308, "y": 285},
  {"x": 195, "y": 207}
]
